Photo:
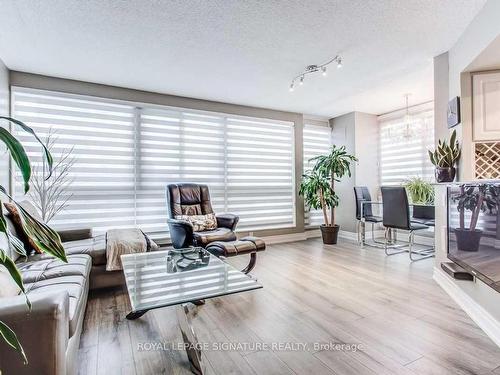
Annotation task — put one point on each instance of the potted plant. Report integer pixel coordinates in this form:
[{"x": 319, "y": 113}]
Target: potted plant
[
  {"x": 318, "y": 187},
  {"x": 421, "y": 194},
  {"x": 45, "y": 238},
  {"x": 475, "y": 199},
  {"x": 445, "y": 157}
]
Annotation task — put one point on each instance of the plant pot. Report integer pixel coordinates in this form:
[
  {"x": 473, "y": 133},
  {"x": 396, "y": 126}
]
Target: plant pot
[
  {"x": 445, "y": 174},
  {"x": 468, "y": 240},
  {"x": 329, "y": 234}
]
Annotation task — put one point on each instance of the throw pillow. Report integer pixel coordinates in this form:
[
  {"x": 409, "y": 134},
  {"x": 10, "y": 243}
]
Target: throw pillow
[
  {"x": 200, "y": 223},
  {"x": 193, "y": 209},
  {"x": 8, "y": 287},
  {"x": 16, "y": 218}
]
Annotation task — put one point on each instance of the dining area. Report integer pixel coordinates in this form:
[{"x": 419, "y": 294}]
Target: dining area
[{"x": 402, "y": 213}]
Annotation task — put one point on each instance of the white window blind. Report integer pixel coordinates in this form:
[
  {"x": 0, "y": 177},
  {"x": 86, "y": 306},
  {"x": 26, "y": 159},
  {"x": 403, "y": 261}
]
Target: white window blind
[
  {"x": 127, "y": 154},
  {"x": 403, "y": 145},
  {"x": 101, "y": 134},
  {"x": 317, "y": 141}
]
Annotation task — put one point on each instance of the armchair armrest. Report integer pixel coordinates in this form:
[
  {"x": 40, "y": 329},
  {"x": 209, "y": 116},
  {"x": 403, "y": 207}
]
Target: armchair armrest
[
  {"x": 75, "y": 234},
  {"x": 227, "y": 221},
  {"x": 43, "y": 332},
  {"x": 181, "y": 233}
]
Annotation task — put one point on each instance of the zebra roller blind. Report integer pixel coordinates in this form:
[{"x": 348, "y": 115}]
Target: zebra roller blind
[
  {"x": 126, "y": 154},
  {"x": 403, "y": 146},
  {"x": 317, "y": 141}
]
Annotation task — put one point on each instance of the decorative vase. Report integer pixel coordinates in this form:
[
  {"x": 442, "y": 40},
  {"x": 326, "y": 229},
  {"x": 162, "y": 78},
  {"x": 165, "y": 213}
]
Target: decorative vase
[
  {"x": 468, "y": 240},
  {"x": 329, "y": 234},
  {"x": 445, "y": 174}
]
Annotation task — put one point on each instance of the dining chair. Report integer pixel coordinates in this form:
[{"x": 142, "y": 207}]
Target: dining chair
[
  {"x": 396, "y": 215},
  {"x": 364, "y": 213}
]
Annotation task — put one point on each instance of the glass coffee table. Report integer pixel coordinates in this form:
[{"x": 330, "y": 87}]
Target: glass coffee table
[{"x": 178, "y": 277}]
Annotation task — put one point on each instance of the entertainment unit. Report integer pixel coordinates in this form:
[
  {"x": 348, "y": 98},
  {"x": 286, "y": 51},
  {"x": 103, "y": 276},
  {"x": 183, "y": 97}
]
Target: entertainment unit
[{"x": 474, "y": 231}]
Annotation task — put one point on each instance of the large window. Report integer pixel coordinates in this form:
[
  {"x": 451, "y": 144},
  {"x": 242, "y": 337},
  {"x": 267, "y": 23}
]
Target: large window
[
  {"x": 404, "y": 142},
  {"x": 126, "y": 154},
  {"x": 317, "y": 141}
]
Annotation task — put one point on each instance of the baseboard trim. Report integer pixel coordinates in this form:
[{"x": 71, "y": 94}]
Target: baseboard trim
[
  {"x": 284, "y": 238},
  {"x": 480, "y": 316}
]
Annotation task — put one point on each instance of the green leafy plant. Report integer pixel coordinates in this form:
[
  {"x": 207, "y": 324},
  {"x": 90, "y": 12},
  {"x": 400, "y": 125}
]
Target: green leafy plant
[
  {"x": 318, "y": 186},
  {"x": 475, "y": 199},
  {"x": 44, "y": 237},
  {"x": 446, "y": 154},
  {"x": 419, "y": 190},
  {"x": 317, "y": 192}
]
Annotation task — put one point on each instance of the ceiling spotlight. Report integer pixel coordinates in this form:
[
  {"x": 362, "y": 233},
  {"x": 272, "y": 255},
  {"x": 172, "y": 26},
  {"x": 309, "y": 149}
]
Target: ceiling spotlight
[
  {"x": 291, "y": 88},
  {"x": 313, "y": 68}
]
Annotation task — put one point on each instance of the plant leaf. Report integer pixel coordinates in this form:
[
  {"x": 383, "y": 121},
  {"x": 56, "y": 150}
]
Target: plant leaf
[
  {"x": 18, "y": 155},
  {"x": 10, "y": 338},
  {"x": 13, "y": 271},
  {"x": 44, "y": 237},
  {"x": 27, "y": 129}
]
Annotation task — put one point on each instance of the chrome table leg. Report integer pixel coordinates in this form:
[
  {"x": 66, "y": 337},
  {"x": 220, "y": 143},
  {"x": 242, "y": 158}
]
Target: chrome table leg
[{"x": 190, "y": 340}]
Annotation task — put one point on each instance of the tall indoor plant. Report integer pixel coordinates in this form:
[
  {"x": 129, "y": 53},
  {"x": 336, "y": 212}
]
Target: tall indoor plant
[
  {"x": 318, "y": 187},
  {"x": 43, "y": 236},
  {"x": 444, "y": 158}
]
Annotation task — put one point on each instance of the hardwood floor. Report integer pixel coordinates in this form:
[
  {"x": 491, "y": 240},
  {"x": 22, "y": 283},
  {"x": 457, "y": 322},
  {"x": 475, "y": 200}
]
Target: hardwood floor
[{"x": 403, "y": 322}]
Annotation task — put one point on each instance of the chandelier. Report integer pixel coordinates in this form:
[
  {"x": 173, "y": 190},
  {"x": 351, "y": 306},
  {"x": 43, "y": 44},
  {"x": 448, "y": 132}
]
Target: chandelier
[
  {"x": 408, "y": 131},
  {"x": 315, "y": 69}
]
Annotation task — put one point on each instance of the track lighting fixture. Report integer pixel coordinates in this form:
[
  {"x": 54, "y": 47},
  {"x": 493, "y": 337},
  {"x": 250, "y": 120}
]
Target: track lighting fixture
[{"x": 315, "y": 68}]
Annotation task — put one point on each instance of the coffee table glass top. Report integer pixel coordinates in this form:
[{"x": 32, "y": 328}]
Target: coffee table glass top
[{"x": 164, "y": 278}]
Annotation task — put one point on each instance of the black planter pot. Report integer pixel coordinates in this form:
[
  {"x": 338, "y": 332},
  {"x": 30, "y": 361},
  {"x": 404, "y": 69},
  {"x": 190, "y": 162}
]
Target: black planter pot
[
  {"x": 468, "y": 240},
  {"x": 329, "y": 234},
  {"x": 445, "y": 174}
]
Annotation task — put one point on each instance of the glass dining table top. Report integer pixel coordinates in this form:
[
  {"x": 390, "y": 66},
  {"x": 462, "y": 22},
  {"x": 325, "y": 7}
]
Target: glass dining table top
[{"x": 171, "y": 277}]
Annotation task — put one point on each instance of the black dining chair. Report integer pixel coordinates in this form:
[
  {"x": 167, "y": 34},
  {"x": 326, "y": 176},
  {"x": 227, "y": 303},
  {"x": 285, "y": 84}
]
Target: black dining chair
[
  {"x": 396, "y": 215},
  {"x": 364, "y": 214},
  {"x": 424, "y": 214}
]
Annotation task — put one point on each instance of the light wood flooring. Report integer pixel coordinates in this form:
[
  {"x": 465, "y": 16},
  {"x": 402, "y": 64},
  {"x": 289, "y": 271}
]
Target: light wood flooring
[{"x": 403, "y": 321}]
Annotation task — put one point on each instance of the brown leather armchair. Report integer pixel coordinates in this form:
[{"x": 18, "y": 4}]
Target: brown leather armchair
[{"x": 188, "y": 197}]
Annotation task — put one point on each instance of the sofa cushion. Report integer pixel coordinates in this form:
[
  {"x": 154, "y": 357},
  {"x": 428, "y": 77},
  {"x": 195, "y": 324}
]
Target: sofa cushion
[
  {"x": 77, "y": 288},
  {"x": 219, "y": 234},
  {"x": 95, "y": 247},
  {"x": 45, "y": 267}
]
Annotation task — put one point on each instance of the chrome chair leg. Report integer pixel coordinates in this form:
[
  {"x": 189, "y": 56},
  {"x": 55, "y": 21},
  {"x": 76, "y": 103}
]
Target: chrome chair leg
[
  {"x": 387, "y": 245},
  {"x": 416, "y": 255},
  {"x": 373, "y": 236}
]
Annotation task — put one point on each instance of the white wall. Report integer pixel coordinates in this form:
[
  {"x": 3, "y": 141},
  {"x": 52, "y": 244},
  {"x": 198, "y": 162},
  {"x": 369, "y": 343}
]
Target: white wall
[
  {"x": 4, "y": 111},
  {"x": 482, "y": 31},
  {"x": 367, "y": 152},
  {"x": 343, "y": 134},
  {"x": 359, "y": 133}
]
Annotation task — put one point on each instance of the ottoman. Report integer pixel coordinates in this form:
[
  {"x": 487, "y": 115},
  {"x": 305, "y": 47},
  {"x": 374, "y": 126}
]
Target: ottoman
[{"x": 246, "y": 245}]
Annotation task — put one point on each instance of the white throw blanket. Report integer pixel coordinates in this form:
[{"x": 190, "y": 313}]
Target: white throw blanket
[{"x": 124, "y": 241}]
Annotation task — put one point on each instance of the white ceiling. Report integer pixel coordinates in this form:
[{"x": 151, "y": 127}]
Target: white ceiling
[{"x": 238, "y": 51}]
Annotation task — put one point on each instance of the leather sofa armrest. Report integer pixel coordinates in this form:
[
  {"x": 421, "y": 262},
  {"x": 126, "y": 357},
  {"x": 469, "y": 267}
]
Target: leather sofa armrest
[
  {"x": 75, "y": 234},
  {"x": 43, "y": 332},
  {"x": 181, "y": 233},
  {"x": 227, "y": 221}
]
